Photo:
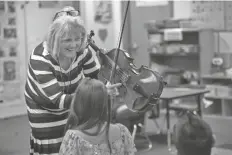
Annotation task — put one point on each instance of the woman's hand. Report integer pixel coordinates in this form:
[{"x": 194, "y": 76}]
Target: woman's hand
[
  {"x": 104, "y": 51},
  {"x": 112, "y": 88}
]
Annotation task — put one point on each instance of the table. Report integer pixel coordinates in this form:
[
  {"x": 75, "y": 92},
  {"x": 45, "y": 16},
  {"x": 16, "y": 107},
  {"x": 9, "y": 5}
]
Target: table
[{"x": 170, "y": 93}]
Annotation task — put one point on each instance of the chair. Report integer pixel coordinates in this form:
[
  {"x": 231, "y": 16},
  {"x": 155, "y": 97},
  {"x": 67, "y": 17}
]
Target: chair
[
  {"x": 181, "y": 108},
  {"x": 134, "y": 122}
]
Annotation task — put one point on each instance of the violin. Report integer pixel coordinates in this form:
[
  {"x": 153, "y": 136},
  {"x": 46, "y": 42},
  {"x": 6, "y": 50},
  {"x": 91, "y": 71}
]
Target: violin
[{"x": 140, "y": 87}]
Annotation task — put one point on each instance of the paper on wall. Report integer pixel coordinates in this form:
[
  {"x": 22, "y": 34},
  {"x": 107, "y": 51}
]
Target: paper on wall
[
  {"x": 143, "y": 3},
  {"x": 173, "y": 34}
]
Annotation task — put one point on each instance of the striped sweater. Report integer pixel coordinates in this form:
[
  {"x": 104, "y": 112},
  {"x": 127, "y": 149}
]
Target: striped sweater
[{"x": 48, "y": 95}]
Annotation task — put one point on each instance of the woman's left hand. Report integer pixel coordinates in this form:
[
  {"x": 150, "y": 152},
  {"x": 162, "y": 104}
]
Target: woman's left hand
[
  {"x": 112, "y": 88},
  {"x": 104, "y": 51}
]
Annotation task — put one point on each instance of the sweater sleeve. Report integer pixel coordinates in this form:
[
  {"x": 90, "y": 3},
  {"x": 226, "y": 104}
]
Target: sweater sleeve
[
  {"x": 91, "y": 65},
  {"x": 44, "y": 85}
]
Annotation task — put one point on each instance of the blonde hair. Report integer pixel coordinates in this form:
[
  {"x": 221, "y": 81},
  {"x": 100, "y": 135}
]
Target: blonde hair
[{"x": 64, "y": 26}]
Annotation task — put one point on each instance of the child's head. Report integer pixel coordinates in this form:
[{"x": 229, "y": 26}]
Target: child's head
[
  {"x": 90, "y": 104},
  {"x": 193, "y": 136}
]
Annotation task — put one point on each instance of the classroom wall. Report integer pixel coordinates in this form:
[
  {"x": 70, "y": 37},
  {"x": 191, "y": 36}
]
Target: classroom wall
[
  {"x": 32, "y": 22},
  {"x": 23, "y": 25},
  {"x": 104, "y": 18}
]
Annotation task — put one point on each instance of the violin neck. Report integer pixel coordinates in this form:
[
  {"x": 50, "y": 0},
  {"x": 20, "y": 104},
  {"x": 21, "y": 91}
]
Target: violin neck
[{"x": 94, "y": 47}]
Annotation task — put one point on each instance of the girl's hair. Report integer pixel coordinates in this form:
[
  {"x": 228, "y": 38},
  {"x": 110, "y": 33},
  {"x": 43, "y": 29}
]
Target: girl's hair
[
  {"x": 192, "y": 135},
  {"x": 90, "y": 107},
  {"x": 61, "y": 27}
]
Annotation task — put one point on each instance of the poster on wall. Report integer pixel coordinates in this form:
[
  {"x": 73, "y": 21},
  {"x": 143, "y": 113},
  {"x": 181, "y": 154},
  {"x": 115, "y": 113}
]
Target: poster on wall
[
  {"x": 11, "y": 21},
  {"x": 9, "y": 59},
  {"x": 9, "y": 33},
  {"x": 11, "y": 7},
  {"x": 2, "y": 6},
  {"x": 102, "y": 33},
  {"x": 12, "y": 51},
  {"x": 139, "y": 3},
  {"x": 9, "y": 79},
  {"x": 103, "y": 12},
  {"x": 48, "y": 4},
  {"x": 2, "y": 52},
  {"x": 9, "y": 70},
  {"x": 1, "y": 72}
]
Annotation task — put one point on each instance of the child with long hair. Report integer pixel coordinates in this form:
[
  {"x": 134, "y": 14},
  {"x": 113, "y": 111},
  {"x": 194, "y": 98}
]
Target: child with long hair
[{"x": 89, "y": 130}]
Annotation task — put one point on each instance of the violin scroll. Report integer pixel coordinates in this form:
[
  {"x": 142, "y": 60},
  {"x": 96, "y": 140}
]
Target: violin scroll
[{"x": 91, "y": 42}]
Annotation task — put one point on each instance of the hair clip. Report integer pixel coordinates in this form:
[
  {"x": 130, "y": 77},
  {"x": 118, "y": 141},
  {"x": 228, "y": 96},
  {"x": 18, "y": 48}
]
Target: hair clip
[{"x": 73, "y": 13}]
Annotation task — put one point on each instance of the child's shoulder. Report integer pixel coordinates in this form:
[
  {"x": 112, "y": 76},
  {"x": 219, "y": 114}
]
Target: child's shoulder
[
  {"x": 72, "y": 134},
  {"x": 121, "y": 126}
]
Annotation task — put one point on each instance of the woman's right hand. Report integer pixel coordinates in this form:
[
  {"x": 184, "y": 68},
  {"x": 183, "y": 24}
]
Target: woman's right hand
[{"x": 112, "y": 88}]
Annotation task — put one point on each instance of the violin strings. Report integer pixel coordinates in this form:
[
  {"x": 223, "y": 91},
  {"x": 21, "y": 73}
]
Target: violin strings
[
  {"x": 116, "y": 68},
  {"x": 119, "y": 71}
]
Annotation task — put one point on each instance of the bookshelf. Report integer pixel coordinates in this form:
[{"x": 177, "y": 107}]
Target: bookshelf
[
  {"x": 198, "y": 59},
  {"x": 194, "y": 53}
]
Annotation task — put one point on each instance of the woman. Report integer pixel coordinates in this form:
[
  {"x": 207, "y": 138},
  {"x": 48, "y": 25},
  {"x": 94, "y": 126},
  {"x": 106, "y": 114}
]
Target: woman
[
  {"x": 88, "y": 129},
  {"x": 55, "y": 69}
]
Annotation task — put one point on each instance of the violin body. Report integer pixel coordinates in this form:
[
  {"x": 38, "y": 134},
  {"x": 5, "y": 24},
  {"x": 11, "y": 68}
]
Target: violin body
[{"x": 141, "y": 87}]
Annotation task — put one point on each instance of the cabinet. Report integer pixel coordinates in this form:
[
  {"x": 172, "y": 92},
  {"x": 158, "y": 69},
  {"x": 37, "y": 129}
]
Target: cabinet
[
  {"x": 220, "y": 94},
  {"x": 193, "y": 52},
  {"x": 198, "y": 59}
]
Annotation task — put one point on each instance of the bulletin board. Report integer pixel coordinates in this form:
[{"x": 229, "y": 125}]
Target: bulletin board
[
  {"x": 9, "y": 54},
  {"x": 228, "y": 15},
  {"x": 208, "y": 14}
]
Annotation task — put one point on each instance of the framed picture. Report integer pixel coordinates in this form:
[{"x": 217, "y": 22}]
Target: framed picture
[
  {"x": 103, "y": 12},
  {"x": 12, "y": 52},
  {"x": 48, "y": 4},
  {"x": 2, "y": 52},
  {"x": 10, "y": 33},
  {"x": 11, "y": 6},
  {"x": 1, "y": 72},
  {"x": 9, "y": 70},
  {"x": 12, "y": 21},
  {"x": 2, "y": 6}
]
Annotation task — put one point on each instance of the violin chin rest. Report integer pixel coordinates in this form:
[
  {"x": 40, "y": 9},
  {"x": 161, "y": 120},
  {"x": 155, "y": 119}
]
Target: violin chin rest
[
  {"x": 123, "y": 113},
  {"x": 142, "y": 104}
]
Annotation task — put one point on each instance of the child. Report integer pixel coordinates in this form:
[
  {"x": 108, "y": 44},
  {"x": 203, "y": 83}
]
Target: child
[
  {"x": 193, "y": 136},
  {"x": 89, "y": 130}
]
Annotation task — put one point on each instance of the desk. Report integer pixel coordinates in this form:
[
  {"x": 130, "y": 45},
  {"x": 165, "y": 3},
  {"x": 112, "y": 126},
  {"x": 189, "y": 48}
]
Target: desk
[{"x": 170, "y": 93}]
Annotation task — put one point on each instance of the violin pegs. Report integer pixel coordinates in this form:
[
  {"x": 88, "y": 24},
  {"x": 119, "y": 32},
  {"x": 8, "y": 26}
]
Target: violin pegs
[{"x": 92, "y": 33}]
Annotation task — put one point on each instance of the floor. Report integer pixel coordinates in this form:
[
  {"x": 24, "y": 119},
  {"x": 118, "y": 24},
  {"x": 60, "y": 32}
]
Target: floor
[{"x": 14, "y": 136}]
